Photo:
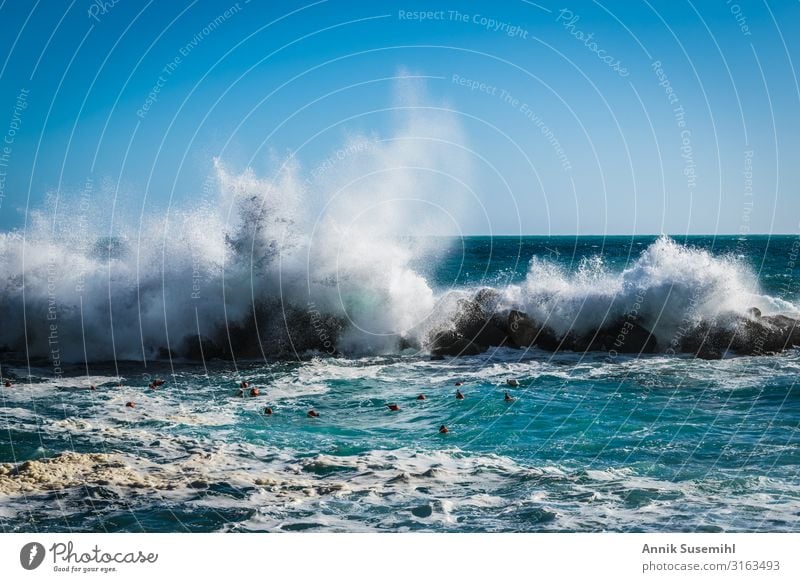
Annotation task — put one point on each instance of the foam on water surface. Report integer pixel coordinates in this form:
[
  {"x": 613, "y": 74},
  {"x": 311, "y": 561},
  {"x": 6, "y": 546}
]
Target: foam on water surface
[{"x": 648, "y": 443}]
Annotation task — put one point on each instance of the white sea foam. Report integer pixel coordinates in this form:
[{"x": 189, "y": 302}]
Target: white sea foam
[{"x": 668, "y": 286}]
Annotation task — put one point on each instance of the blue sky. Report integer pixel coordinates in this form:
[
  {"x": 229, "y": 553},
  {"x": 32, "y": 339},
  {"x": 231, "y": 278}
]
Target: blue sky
[{"x": 566, "y": 132}]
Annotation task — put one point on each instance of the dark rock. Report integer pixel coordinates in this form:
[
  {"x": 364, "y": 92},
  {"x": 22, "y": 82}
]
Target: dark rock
[
  {"x": 478, "y": 325},
  {"x": 166, "y": 353},
  {"x": 200, "y": 347},
  {"x": 789, "y": 328},
  {"x": 474, "y": 327},
  {"x": 476, "y": 321},
  {"x": 625, "y": 336},
  {"x": 312, "y": 330},
  {"x": 469, "y": 318},
  {"x": 284, "y": 331},
  {"x": 524, "y": 332},
  {"x": 488, "y": 299},
  {"x": 522, "y": 329},
  {"x": 444, "y": 338},
  {"x": 707, "y": 340},
  {"x": 707, "y": 351},
  {"x": 494, "y": 332},
  {"x": 742, "y": 335},
  {"x": 769, "y": 334},
  {"x": 404, "y": 343},
  {"x": 451, "y": 343}
]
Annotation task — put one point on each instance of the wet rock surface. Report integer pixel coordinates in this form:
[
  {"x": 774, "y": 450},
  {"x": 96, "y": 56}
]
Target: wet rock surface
[{"x": 479, "y": 324}]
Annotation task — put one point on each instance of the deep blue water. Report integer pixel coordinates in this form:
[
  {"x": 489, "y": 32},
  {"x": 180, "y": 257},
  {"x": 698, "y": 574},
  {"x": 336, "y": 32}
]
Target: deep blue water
[{"x": 590, "y": 443}]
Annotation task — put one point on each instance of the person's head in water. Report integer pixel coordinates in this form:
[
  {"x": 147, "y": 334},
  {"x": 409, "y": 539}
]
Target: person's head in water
[
  {"x": 459, "y": 395},
  {"x": 443, "y": 430},
  {"x": 268, "y": 411}
]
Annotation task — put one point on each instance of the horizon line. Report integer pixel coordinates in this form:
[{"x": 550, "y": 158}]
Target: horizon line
[{"x": 673, "y": 235}]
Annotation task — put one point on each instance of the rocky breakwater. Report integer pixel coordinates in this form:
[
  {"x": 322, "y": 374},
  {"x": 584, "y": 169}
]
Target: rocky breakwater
[{"x": 481, "y": 322}]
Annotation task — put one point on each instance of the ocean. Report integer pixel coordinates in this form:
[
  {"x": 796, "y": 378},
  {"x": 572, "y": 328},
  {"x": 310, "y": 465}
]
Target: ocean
[{"x": 590, "y": 442}]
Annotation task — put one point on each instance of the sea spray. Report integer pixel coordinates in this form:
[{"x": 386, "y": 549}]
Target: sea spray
[
  {"x": 674, "y": 286},
  {"x": 232, "y": 275}
]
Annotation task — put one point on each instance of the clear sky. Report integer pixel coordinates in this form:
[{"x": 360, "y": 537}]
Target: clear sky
[{"x": 569, "y": 117}]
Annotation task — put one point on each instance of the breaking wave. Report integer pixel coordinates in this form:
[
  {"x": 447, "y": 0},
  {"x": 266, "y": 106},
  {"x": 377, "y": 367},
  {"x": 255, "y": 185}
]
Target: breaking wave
[
  {"x": 259, "y": 267},
  {"x": 324, "y": 259},
  {"x": 669, "y": 286}
]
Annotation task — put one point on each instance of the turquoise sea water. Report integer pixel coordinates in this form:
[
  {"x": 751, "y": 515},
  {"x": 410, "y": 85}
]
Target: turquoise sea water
[{"x": 589, "y": 443}]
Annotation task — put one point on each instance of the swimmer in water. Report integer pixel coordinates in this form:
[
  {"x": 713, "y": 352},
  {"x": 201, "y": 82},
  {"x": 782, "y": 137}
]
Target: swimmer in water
[
  {"x": 240, "y": 392},
  {"x": 130, "y": 404},
  {"x": 421, "y": 397},
  {"x": 512, "y": 382},
  {"x": 459, "y": 395},
  {"x": 268, "y": 411},
  {"x": 313, "y": 413},
  {"x": 443, "y": 430},
  {"x": 8, "y": 384},
  {"x": 459, "y": 384},
  {"x": 244, "y": 384},
  {"x": 393, "y": 407},
  {"x": 158, "y": 382},
  {"x": 254, "y": 392},
  {"x": 508, "y": 398},
  {"x": 92, "y": 387}
]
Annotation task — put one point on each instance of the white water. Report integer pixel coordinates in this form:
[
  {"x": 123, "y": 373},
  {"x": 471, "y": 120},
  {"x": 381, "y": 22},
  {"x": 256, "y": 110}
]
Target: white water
[
  {"x": 669, "y": 286},
  {"x": 315, "y": 240},
  {"x": 89, "y": 280}
]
